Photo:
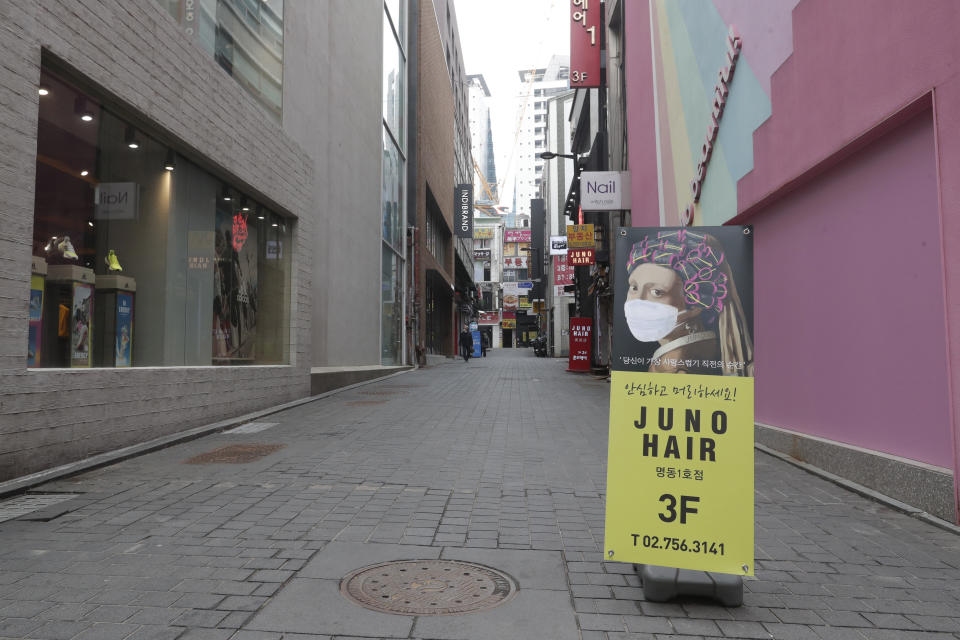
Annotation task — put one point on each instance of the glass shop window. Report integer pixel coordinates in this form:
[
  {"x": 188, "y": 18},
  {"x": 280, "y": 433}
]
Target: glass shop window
[{"x": 142, "y": 258}]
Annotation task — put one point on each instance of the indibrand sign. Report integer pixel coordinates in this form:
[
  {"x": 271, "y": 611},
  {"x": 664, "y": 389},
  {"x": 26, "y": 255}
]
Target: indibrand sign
[{"x": 463, "y": 204}]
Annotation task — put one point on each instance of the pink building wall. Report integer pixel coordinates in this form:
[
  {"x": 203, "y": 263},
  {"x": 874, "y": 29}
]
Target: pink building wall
[{"x": 858, "y": 164}]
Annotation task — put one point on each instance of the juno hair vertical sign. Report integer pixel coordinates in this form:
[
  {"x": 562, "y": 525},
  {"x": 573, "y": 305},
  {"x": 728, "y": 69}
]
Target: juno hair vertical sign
[{"x": 463, "y": 205}]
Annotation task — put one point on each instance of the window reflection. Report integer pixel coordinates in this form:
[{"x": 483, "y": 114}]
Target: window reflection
[{"x": 245, "y": 37}]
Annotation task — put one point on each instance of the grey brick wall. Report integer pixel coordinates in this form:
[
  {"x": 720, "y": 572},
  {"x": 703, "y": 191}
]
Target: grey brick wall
[{"x": 136, "y": 53}]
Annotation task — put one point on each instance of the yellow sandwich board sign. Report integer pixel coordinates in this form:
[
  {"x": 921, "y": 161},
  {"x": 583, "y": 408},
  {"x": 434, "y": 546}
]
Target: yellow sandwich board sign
[
  {"x": 680, "y": 462},
  {"x": 680, "y": 471}
]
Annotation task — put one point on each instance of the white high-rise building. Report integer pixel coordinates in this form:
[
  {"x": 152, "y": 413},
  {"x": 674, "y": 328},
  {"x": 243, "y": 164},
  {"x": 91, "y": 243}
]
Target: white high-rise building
[{"x": 537, "y": 86}]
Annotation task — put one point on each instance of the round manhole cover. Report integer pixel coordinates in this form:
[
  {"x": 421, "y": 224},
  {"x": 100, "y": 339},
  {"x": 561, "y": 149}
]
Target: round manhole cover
[{"x": 428, "y": 587}]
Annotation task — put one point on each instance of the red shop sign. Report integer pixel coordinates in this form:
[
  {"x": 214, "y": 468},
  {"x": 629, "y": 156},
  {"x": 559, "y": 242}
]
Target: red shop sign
[
  {"x": 581, "y": 257},
  {"x": 581, "y": 330},
  {"x": 585, "y": 34}
]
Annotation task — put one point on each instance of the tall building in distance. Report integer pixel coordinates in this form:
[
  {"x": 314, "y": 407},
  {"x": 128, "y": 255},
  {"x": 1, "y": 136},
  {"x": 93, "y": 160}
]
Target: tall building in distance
[
  {"x": 537, "y": 86},
  {"x": 481, "y": 137}
]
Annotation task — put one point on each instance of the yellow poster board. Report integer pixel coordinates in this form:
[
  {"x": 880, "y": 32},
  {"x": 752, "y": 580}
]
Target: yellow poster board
[{"x": 680, "y": 471}]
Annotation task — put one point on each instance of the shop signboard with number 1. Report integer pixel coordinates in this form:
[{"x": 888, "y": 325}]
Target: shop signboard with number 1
[{"x": 680, "y": 463}]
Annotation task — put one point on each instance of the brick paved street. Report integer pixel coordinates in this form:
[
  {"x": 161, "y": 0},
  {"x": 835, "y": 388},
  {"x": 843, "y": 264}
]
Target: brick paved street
[{"x": 499, "y": 461}]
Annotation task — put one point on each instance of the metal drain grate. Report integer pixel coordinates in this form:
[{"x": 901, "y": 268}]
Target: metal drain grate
[
  {"x": 428, "y": 587},
  {"x": 235, "y": 454},
  {"x": 252, "y": 427},
  {"x": 27, "y": 504}
]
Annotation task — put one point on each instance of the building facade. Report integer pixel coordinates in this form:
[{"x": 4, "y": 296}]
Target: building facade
[
  {"x": 837, "y": 140},
  {"x": 189, "y": 231},
  {"x": 537, "y": 85}
]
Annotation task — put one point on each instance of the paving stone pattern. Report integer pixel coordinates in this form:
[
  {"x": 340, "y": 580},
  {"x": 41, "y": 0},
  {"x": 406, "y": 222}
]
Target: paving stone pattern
[{"x": 500, "y": 461}]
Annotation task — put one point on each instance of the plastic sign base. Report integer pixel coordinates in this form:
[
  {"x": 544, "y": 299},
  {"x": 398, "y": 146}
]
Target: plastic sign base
[{"x": 661, "y": 584}]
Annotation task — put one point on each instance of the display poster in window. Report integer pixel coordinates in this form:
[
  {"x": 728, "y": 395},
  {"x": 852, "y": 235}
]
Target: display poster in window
[
  {"x": 680, "y": 463},
  {"x": 81, "y": 325},
  {"x": 34, "y": 332},
  {"x": 124, "y": 339},
  {"x": 235, "y": 290}
]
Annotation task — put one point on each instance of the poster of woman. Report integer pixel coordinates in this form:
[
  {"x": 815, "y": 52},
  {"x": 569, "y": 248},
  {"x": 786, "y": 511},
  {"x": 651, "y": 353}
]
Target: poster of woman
[{"x": 684, "y": 300}]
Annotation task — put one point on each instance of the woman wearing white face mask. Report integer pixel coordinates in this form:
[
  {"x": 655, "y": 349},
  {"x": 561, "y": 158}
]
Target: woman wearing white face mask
[{"x": 680, "y": 293}]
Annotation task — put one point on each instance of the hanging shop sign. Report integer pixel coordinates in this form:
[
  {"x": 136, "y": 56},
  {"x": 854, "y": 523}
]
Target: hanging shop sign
[
  {"x": 525, "y": 303},
  {"x": 517, "y": 262},
  {"x": 558, "y": 245},
  {"x": 719, "y": 101},
  {"x": 508, "y": 323},
  {"x": 579, "y": 236},
  {"x": 481, "y": 254},
  {"x": 525, "y": 286},
  {"x": 516, "y": 235},
  {"x": 585, "y": 42},
  {"x": 680, "y": 462},
  {"x": 488, "y": 317},
  {"x": 463, "y": 205},
  {"x": 483, "y": 233},
  {"x": 604, "y": 190},
  {"x": 581, "y": 330},
  {"x": 581, "y": 257}
]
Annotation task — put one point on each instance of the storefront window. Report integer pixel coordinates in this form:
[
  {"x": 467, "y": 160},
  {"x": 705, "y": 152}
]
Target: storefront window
[
  {"x": 245, "y": 37},
  {"x": 142, "y": 258},
  {"x": 392, "y": 186}
]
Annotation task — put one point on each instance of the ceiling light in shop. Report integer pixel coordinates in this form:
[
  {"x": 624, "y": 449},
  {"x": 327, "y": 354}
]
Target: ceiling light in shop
[
  {"x": 81, "y": 109},
  {"x": 44, "y": 91},
  {"x": 84, "y": 173},
  {"x": 130, "y": 138},
  {"x": 170, "y": 163}
]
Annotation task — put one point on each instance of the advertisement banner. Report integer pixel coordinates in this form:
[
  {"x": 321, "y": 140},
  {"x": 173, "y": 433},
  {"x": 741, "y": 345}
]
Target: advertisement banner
[
  {"x": 581, "y": 257},
  {"x": 489, "y": 317},
  {"x": 510, "y": 249},
  {"x": 516, "y": 235},
  {"x": 518, "y": 262},
  {"x": 509, "y": 323},
  {"x": 124, "y": 323},
  {"x": 558, "y": 292},
  {"x": 34, "y": 331},
  {"x": 483, "y": 233},
  {"x": 558, "y": 245},
  {"x": 581, "y": 330},
  {"x": 477, "y": 344},
  {"x": 562, "y": 271},
  {"x": 463, "y": 205},
  {"x": 681, "y": 400},
  {"x": 579, "y": 236},
  {"x": 81, "y": 325},
  {"x": 586, "y": 29},
  {"x": 525, "y": 303},
  {"x": 511, "y": 296}
]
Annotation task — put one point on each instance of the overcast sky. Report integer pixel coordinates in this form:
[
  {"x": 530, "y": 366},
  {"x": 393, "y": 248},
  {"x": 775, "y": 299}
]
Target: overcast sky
[{"x": 499, "y": 38}]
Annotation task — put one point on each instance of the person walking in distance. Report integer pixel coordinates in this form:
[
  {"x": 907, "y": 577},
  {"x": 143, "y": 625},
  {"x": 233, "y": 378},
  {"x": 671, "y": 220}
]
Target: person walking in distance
[
  {"x": 466, "y": 343},
  {"x": 483, "y": 345}
]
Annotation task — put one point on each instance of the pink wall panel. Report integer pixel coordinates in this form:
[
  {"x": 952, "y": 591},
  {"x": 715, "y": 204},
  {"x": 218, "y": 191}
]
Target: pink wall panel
[
  {"x": 641, "y": 131},
  {"x": 850, "y": 309}
]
